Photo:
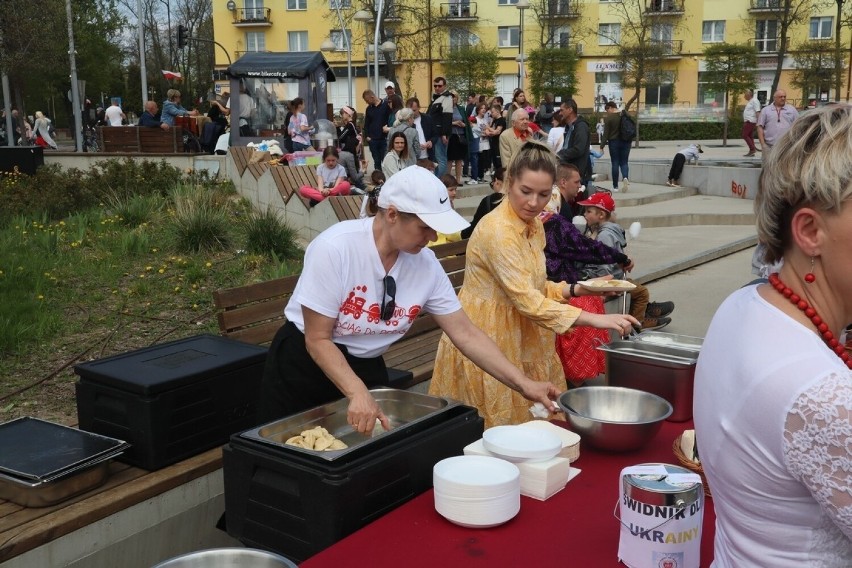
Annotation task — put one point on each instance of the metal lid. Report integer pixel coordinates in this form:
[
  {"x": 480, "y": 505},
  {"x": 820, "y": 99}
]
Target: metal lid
[
  {"x": 667, "y": 479},
  {"x": 686, "y": 342}
]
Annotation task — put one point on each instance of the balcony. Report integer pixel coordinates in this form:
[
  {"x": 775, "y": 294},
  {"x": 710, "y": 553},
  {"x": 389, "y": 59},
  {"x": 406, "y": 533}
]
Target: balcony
[
  {"x": 248, "y": 17},
  {"x": 444, "y": 51},
  {"x": 766, "y": 46},
  {"x": 669, "y": 48},
  {"x": 666, "y": 7},
  {"x": 459, "y": 11},
  {"x": 392, "y": 15},
  {"x": 758, "y": 6},
  {"x": 561, "y": 9},
  {"x": 238, "y": 54}
]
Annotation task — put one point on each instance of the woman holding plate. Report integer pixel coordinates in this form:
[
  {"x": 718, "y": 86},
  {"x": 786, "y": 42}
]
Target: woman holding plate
[{"x": 506, "y": 294}]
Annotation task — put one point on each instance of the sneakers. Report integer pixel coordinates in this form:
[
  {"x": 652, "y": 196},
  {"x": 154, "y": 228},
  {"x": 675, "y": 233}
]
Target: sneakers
[
  {"x": 625, "y": 184},
  {"x": 471, "y": 182},
  {"x": 749, "y": 155},
  {"x": 650, "y": 324},
  {"x": 672, "y": 183},
  {"x": 659, "y": 309}
]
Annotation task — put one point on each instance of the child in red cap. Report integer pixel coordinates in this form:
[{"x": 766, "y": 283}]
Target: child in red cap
[{"x": 599, "y": 210}]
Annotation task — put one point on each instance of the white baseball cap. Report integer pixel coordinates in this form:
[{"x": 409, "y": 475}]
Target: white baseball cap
[
  {"x": 390, "y": 84},
  {"x": 416, "y": 190}
]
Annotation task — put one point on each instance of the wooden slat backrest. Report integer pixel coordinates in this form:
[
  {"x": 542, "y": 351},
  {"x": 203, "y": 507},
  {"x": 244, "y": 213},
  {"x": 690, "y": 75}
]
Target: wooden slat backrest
[
  {"x": 156, "y": 140},
  {"x": 254, "y": 313},
  {"x": 119, "y": 138},
  {"x": 279, "y": 176},
  {"x": 240, "y": 155},
  {"x": 346, "y": 206},
  {"x": 337, "y": 206},
  {"x": 257, "y": 169}
]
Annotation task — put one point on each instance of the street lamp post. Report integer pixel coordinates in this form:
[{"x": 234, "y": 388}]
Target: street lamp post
[
  {"x": 364, "y": 16},
  {"x": 347, "y": 44},
  {"x": 379, "y": 10},
  {"x": 521, "y": 5}
]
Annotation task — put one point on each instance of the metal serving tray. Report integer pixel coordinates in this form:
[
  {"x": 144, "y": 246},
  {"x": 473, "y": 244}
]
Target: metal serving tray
[
  {"x": 403, "y": 409},
  {"x": 46, "y": 493},
  {"x": 639, "y": 352},
  {"x": 39, "y": 451},
  {"x": 673, "y": 340}
]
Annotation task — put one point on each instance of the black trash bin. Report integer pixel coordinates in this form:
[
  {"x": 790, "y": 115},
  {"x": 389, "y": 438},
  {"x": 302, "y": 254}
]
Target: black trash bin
[{"x": 25, "y": 158}]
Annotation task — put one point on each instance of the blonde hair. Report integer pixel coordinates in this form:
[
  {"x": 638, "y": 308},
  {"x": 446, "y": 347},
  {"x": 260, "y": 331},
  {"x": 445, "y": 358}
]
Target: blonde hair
[
  {"x": 39, "y": 114},
  {"x": 809, "y": 166},
  {"x": 530, "y": 156},
  {"x": 171, "y": 94}
]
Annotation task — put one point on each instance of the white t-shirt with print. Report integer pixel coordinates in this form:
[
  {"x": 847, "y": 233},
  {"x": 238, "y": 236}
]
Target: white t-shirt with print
[{"x": 342, "y": 279}]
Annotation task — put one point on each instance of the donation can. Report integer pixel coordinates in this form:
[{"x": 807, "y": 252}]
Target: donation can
[{"x": 661, "y": 510}]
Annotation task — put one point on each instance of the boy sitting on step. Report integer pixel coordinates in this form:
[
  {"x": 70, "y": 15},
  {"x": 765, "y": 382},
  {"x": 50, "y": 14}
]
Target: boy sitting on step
[{"x": 599, "y": 209}]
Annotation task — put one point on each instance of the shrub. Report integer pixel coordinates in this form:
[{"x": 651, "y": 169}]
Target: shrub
[
  {"x": 267, "y": 234},
  {"x": 198, "y": 223},
  {"x": 134, "y": 210}
]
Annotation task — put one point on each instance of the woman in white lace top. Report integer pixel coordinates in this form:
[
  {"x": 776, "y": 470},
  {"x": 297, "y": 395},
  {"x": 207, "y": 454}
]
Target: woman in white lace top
[{"x": 773, "y": 389}]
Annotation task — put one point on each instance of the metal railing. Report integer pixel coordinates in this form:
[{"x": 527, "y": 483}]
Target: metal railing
[
  {"x": 664, "y": 7},
  {"x": 561, "y": 9},
  {"x": 252, "y": 16},
  {"x": 669, "y": 47},
  {"x": 764, "y": 5},
  {"x": 768, "y": 45},
  {"x": 459, "y": 10}
]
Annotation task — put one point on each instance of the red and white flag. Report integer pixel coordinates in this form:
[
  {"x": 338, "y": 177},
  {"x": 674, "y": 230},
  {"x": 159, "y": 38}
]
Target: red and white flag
[{"x": 171, "y": 75}]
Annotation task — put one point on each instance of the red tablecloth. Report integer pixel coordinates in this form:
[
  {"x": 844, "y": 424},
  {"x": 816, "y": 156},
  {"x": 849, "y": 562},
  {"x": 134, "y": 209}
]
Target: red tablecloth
[{"x": 575, "y": 527}]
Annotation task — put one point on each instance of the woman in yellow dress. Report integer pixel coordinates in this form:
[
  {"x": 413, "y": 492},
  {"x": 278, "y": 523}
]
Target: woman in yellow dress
[{"x": 507, "y": 295}]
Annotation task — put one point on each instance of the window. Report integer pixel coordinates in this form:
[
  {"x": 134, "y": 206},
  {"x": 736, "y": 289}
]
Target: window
[
  {"x": 663, "y": 92},
  {"x": 707, "y": 96},
  {"x": 297, "y": 4},
  {"x": 766, "y": 36},
  {"x": 460, "y": 38},
  {"x": 662, "y": 34},
  {"x": 339, "y": 40},
  {"x": 821, "y": 27},
  {"x": 255, "y": 41},
  {"x": 254, "y": 10},
  {"x": 560, "y": 36},
  {"x": 506, "y": 2},
  {"x": 297, "y": 41},
  {"x": 508, "y": 36},
  {"x": 713, "y": 31},
  {"x": 345, "y": 4},
  {"x": 609, "y": 34}
]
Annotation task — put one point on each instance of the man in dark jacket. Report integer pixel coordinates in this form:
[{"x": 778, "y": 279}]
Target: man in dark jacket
[
  {"x": 375, "y": 120},
  {"x": 575, "y": 149},
  {"x": 441, "y": 111}
]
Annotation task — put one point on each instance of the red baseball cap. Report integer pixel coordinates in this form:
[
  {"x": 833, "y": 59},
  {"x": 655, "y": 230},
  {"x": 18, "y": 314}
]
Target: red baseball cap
[{"x": 600, "y": 200}]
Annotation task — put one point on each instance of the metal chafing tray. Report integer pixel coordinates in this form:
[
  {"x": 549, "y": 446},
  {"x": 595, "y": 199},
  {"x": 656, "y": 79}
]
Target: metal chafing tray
[
  {"x": 404, "y": 410},
  {"x": 43, "y": 463},
  {"x": 673, "y": 340}
]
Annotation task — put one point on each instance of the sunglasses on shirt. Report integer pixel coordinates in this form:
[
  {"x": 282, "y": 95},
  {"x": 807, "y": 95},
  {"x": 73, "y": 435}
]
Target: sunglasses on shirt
[{"x": 389, "y": 290}]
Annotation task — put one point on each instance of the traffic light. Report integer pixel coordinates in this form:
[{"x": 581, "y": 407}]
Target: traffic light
[{"x": 183, "y": 35}]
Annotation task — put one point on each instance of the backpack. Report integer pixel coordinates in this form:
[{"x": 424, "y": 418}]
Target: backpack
[{"x": 627, "y": 127}]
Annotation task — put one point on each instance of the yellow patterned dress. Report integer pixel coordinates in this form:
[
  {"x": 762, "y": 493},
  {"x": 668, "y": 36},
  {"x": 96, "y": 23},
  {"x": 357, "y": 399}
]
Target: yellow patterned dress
[{"x": 507, "y": 295}]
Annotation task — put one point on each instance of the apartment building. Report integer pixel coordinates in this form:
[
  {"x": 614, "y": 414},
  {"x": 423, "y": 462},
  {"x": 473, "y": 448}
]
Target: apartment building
[{"x": 419, "y": 34}]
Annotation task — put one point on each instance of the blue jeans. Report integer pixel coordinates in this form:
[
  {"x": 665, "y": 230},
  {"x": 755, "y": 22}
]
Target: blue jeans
[
  {"x": 473, "y": 156},
  {"x": 378, "y": 149},
  {"x": 298, "y": 146},
  {"x": 440, "y": 156},
  {"x": 619, "y": 153}
]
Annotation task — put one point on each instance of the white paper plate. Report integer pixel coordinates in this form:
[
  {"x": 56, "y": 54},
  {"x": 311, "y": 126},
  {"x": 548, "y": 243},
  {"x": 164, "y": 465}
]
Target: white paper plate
[
  {"x": 517, "y": 444},
  {"x": 607, "y": 285},
  {"x": 475, "y": 476}
]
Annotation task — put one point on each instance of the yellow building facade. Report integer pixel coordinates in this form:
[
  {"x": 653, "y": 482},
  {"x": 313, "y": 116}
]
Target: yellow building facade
[{"x": 423, "y": 32}]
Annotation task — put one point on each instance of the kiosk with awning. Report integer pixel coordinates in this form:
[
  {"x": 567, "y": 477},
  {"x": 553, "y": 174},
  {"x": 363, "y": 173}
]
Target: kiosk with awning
[{"x": 263, "y": 84}]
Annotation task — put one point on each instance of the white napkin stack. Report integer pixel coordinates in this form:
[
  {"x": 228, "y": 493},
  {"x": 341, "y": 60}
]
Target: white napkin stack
[{"x": 539, "y": 480}]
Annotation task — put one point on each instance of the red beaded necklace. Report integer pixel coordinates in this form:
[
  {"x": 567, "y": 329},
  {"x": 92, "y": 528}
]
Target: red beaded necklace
[{"x": 821, "y": 326}]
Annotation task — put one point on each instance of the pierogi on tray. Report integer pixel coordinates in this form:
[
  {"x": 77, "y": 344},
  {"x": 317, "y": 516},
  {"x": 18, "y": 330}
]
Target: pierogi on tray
[{"x": 317, "y": 439}]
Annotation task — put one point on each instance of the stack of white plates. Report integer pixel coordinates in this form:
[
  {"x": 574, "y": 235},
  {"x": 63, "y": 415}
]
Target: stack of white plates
[
  {"x": 519, "y": 444},
  {"x": 477, "y": 491}
]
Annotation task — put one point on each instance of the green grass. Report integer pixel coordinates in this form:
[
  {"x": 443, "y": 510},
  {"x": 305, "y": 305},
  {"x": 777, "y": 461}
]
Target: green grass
[{"x": 130, "y": 272}]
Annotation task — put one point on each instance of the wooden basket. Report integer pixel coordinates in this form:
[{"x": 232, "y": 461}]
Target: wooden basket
[{"x": 691, "y": 465}]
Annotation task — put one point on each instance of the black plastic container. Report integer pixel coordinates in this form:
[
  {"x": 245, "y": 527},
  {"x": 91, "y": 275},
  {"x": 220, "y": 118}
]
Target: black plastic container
[
  {"x": 25, "y": 159},
  {"x": 174, "y": 400},
  {"x": 298, "y": 505}
]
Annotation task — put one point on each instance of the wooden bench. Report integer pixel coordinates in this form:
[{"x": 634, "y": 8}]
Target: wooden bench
[
  {"x": 140, "y": 139},
  {"x": 25, "y": 528},
  {"x": 253, "y": 314},
  {"x": 347, "y": 206}
]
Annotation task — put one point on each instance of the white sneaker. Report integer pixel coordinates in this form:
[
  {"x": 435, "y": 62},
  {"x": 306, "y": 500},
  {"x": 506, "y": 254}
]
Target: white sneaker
[
  {"x": 625, "y": 184},
  {"x": 471, "y": 182},
  {"x": 594, "y": 177}
]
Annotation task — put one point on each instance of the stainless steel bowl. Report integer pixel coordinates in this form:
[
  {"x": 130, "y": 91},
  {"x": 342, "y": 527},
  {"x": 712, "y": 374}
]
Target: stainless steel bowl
[
  {"x": 228, "y": 558},
  {"x": 614, "y": 418}
]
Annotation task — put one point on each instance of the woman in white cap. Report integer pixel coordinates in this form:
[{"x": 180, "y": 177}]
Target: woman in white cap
[{"x": 362, "y": 285}]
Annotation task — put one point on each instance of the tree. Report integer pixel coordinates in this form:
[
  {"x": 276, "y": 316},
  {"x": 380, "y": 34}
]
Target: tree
[
  {"x": 731, "y": 70},
  {"x": 816, "y": 65},
  {"x": 788, "y": 14},
  {"x": 472, "y": 69},
  {"x": 642, "y": 41},
  {"x": 553, "y": 70}
]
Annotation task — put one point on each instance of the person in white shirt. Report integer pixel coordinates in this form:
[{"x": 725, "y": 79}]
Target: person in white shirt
[
  {"x": 363, "y": 283},
  {"x": 750, "y": 112},
  {"x": 114, "y": 115}
]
